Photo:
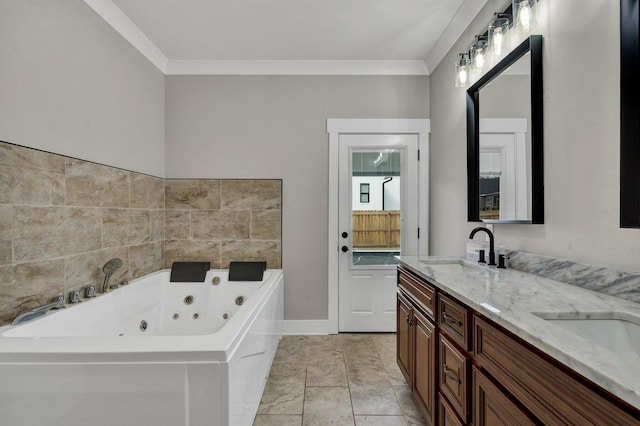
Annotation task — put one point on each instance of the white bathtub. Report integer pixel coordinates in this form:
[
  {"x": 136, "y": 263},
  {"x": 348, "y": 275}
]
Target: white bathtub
[{"x": 97, "y": 363}]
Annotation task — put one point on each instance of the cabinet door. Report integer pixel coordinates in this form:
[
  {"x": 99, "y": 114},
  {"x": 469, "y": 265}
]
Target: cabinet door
[
  {"x": 425, "y": 364},
  {"x": 404, "y": 339},
  {"x": 491, "y": 407}
]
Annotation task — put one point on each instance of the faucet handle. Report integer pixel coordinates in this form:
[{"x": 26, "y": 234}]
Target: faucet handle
[
  {"x": 501, "y": 259},
  {"x": 58, "y": 301},
  {"x": 74, "y": 297},
  {"x": 90, "y": 292},
  {"x": 481, "y": 256}
]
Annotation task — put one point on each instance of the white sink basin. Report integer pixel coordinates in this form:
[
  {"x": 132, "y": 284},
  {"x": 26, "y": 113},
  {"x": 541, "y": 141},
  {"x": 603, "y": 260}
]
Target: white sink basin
[
  {"x": 441, "y": 261},
  {"x": 618, "y": 333},
  {"x": 452, "y": 261}
]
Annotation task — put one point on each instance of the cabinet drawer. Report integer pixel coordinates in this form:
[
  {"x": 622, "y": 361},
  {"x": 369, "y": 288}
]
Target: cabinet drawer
[
  {"x": 453, "y": 373},
  {"x": 453, "y": 319},
  {"x": 552, "y": 393},
  {"x": 423, "y": 294},
  {"x": 447, "y": 416},
  {"x": 492, "y": 407}
]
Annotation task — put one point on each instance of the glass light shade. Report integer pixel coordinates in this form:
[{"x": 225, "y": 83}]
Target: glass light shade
[
  {"x": 462, "y": 72},
  {"x": 477, "y": 55},
  {"x": 524, "y": 16},
  {"x": 498, "y": 36}
]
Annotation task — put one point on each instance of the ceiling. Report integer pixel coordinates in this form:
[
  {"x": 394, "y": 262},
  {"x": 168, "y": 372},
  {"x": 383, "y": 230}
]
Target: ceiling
[{"x": 405, "y": 37}]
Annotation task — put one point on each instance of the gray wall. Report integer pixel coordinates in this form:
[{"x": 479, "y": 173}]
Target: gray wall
[
  {"x": 272, "y": 128},
  {"x": 70, "y": 84},
  {"x": 581, "y": 107}
]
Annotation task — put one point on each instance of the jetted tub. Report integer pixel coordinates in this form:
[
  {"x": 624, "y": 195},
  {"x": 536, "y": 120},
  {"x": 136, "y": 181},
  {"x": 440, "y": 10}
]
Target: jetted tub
[{"x": 150, "y": 353}]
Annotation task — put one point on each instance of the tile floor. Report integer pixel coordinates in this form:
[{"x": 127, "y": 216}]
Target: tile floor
[{"x": 344, "y": 379}]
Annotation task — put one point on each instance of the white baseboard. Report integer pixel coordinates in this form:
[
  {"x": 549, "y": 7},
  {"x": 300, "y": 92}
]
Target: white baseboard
[{"x": 306, "y": 327}]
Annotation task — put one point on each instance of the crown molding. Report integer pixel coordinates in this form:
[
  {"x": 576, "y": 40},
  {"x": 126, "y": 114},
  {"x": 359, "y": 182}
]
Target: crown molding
[
  {"x": 457, "y": 26},
  {"x": 127, "y": 29},
  {"x": 295, "y": 67}
]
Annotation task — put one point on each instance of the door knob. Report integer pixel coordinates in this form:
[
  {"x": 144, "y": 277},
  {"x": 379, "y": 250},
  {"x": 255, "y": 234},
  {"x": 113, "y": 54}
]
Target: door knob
[
  {"x": 345, "y": 235},
  {"x": 344, "y": 249}
]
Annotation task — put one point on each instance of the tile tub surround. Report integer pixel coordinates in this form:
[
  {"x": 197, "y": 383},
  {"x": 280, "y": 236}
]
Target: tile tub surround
[
  {"x": 344, "y": 379},
  {"x": 603, "y": 279},
  {"x": 62, "y": 219},
  {"x": 511, "y": 298},
  {"x": 223, "y": 220}
]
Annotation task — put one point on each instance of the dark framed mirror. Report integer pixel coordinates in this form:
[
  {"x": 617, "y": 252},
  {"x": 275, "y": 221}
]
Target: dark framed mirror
[
  {"x": 629, "y": 114},
  {"x": 505, "y": 173}
]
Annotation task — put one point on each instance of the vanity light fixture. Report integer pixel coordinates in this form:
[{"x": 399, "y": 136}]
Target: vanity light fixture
[
  {"x": 498, "y": 34},
  {"x": 524, "y": 16},
  {"x": 520, "y": 14},
  {"x": 462, "y": 71},
  {"x": 476, "y": 54}
]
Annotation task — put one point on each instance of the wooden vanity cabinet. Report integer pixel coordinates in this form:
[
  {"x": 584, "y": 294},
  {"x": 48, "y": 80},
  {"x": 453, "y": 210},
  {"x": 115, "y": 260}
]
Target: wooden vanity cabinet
[
  {"x": 465, "y": 369},
  {"x": 453, "y": 320},
  {"x": 404, "y": 338},
  {"x": 554, "y": 394},
  {"x": 491, "y": 407},
  {"x": 425, "y": 337},
  {"x": 447, "y": 415},
  {"x": 454, "y": 357},
  {"x": 417, "y": 342},
  {"x": 454, "y": 377}
]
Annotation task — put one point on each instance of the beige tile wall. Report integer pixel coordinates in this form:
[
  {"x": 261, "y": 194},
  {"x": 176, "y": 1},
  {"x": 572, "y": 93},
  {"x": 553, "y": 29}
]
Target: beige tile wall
[
  {"x": 223, "y": 220},
  {"x": 62, "y": 219}
]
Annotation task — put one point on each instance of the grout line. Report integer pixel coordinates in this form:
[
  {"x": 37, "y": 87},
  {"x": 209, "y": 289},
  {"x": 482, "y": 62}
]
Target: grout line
[
  {"x": 306, "y": 366},
  {"x": 344, "y": 359}
]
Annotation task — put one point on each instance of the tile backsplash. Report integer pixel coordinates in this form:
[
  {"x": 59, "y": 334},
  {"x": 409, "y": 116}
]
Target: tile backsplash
[
  {"x": 62, "y": 219},
  {"x": 223, "y": 220},
  {"x": 603, "y": 279}
]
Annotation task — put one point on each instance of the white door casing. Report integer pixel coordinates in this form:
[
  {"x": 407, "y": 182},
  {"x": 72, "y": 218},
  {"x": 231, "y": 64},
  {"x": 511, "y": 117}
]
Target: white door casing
[
  {"x": 343, "y": 127},
  {"x": 507, "y": 136}
]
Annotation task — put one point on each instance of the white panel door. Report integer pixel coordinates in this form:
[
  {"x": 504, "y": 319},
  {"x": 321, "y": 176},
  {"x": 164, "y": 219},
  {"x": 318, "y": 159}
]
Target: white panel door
[{"x": 378, "y": 219}]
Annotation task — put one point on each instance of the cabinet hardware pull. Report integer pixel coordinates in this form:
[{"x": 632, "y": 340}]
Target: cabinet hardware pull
[
  {"x": 451, "y": 320},
  {"x": 451, "y": 375}
]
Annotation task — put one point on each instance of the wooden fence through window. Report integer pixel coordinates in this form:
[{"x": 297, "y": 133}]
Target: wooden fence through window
[{"x": 376, "y": 229}]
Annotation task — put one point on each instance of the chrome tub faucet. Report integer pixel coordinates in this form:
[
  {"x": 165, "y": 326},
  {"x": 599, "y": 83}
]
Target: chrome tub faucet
[{"x": 58, "y": 303}]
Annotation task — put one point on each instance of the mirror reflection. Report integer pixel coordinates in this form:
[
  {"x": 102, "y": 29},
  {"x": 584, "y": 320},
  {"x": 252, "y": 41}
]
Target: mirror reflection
[{"x": 505, "y": 145}]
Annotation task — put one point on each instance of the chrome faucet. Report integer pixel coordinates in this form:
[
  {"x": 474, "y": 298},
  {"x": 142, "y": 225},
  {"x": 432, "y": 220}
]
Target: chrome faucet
[
  {"x": 58, "y": 303},
  {"x": 109, "y": 268},
  {"x": 492, "y": 251}
]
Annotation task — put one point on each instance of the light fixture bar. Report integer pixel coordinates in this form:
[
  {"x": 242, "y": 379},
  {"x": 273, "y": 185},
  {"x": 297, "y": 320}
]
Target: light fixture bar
[{"x": 519, "y": 15}]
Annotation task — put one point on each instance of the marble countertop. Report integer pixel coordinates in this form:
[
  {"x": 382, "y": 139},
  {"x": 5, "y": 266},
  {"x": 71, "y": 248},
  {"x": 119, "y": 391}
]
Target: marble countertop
[{"x": 512, "y": 299}]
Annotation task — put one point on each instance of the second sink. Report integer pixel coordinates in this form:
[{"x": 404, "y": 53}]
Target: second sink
[{"x": 617, "y": 333}]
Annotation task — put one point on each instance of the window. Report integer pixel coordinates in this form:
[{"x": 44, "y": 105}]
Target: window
[{"x": 364, "y": 192}]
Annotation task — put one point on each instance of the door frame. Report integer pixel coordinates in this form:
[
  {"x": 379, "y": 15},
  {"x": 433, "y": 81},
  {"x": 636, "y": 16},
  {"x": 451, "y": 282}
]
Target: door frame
[
  {"x": 340, "y": 126},
  {"x": 516, "y": 166}
]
